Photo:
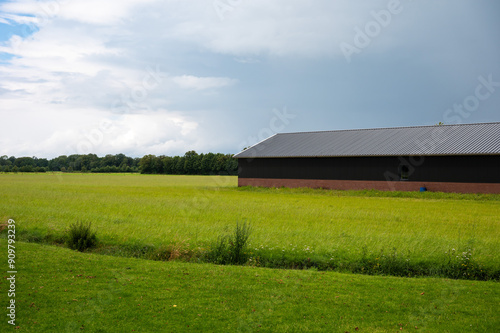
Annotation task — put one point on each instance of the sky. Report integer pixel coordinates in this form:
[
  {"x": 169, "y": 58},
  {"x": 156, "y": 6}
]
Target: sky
[{"x": 167, "y": 76}]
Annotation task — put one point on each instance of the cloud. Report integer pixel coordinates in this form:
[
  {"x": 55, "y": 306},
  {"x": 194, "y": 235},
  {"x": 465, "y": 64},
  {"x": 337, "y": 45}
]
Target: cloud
[
  {"x": 79, "y": 63},
  {"x": 90, "y": 11},
  {"x": 202, "y": 83},
  {"x": 254, "y": 27},
  {"x": 53, "y": 131},
  {"x": 261, "y": 27},
  {"x": 19, "y": 19},
  {"x": 247, "y": 60},
  {"x": 158, "y": 132}
]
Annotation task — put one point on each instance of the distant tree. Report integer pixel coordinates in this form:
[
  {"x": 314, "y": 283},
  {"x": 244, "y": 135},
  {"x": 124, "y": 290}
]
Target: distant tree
[
  {"x": 179, "y": 167},
  {"x": 158, "y": 165},
  {"x": 168, "y": 165},
  {"x": 26, "y": 168},
  {"x": 4, "y": 160},
  {"x": 219, "y": 163},
  {"x": 191, "y": 163},
  {"x": 24, "y": 161},
  {"x": 41, "y": 162},
  {"x": 58, "y": 163},
  {"x": 146, "y": 165},
  {"x": 206, "y": 163},
  {"x": 108, "y": 160},
  {"x": 231, "y": 165}
]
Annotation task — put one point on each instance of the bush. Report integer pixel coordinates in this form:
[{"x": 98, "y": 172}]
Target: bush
[
  {"x": 238, "y": 244},
  {"x": 232, "y": 249},
  {"x": 81, "y": 236}
]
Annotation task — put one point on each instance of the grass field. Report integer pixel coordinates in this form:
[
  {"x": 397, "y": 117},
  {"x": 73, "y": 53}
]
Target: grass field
[
  {"x": 193, "y": 210},
  {"x": 66, "y": 291},
  {"x": 59, "y": 290}
]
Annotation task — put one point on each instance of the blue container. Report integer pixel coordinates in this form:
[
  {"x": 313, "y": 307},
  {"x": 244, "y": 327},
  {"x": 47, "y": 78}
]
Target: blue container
[{"x": 423, "y": 189}]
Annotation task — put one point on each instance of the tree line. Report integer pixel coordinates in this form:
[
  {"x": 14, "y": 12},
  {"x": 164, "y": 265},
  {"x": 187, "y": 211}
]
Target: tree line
[
  {"x": 71, "y": 163},
  {"x": 191, "y": 163}
]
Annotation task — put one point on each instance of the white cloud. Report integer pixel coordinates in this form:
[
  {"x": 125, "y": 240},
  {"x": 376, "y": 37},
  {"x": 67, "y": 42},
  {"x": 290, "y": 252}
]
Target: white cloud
[
  {"x": 152, "y": 132},
  {"x": 89, "y": 11},
  {"x": 20, "y": 19},
  {"x": 53, "y": 130},
  {"x": 202, "y": 83},
  {"x": 247, "y": 60}
]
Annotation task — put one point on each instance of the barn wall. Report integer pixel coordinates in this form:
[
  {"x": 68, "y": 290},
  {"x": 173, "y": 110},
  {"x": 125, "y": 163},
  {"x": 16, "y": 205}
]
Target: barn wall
[
  {"x": 375, "y": 185},
  {"x": 459, "y": 169}
]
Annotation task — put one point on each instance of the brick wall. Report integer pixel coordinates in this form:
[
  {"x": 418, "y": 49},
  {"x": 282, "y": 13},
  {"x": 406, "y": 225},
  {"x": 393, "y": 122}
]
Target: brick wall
[{"x": 376, "y": 185}]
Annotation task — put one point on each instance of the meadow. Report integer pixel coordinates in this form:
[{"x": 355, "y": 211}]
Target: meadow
[
  {"x": 325, "y": 235},
  {"x": 297, "y": 226}
]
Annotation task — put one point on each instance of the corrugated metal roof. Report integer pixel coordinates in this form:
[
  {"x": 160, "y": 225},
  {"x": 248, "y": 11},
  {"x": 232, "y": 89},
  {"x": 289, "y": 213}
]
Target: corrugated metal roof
[{"x": 462, "y": 139}]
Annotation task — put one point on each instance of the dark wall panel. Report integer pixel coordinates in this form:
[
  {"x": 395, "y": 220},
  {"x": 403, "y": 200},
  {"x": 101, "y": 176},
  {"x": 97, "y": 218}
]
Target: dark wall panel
[{"x": 480, "y": 169}]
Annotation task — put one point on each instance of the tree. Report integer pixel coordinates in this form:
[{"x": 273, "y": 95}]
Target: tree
[
  {"x": 24, "y": 161},
  {"x": 179, "y": 167},
  {"x": 191, "y": 165},
  {"x": 206, "y": 163},
  {"x": 219, "y": 163},
  {"x": 168, "y": 165},
  {"x": 4, "y": 160},
  {"x": 158, "y": 165},
  {"x": 58, "y": 163},
  {"x": 231, "y": 165},
  {"x": 146, "y": 165}
]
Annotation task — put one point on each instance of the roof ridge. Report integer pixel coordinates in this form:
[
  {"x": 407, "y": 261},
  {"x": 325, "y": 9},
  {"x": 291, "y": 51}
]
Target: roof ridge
[{"x": 387, "y": 128}]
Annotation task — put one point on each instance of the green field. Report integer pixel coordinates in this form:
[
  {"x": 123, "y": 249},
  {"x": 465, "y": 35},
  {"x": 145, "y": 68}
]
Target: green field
[
  {"x": 59, "y": 290},
  {"x": 193, "y": 210},
  {"x": 366, "y": 231}
]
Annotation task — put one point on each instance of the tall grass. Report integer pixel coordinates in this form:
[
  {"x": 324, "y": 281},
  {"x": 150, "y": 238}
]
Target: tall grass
[
  {"x": 231, "y": 249},
  {"x": 81, "y": 236},
  {"x": 291, "y": 227}
]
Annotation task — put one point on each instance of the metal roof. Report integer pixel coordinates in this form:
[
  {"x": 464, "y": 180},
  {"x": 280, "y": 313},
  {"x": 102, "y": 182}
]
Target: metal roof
[{"x": 461, "y": 139}]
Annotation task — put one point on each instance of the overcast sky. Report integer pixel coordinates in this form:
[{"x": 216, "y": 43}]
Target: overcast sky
[{"x": 167, "y": 76}]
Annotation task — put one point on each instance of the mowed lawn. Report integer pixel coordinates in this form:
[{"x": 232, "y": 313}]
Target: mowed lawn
[
  {"x": 59, "y": 290},
  {"x": 194, "y": 210}
]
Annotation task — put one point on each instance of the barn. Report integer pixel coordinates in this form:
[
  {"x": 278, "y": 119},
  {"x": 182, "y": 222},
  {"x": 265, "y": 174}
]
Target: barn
[{"x": 462, "y": 158}]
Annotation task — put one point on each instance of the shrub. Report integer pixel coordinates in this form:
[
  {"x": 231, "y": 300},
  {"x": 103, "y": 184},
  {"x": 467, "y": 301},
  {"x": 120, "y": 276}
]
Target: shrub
[
  {"x": 238, "y": 244},
  {"x": 81, "y": 236},
  {"x": 231, "y": 249},
  {"x": 219, "y": 251}
]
